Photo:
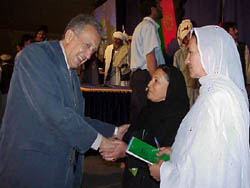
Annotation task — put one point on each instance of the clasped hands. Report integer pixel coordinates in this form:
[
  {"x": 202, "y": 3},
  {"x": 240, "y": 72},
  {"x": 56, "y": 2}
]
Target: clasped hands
[
  {"x": 116, "y": 148},
  {"x": 112, "y": 149}
]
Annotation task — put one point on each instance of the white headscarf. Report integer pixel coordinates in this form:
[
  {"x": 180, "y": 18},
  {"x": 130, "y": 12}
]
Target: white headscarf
[
  {"x": 219, "y": 55},
  {"x": 118, "y": 35},
  {"x": 211, "y": 148}
]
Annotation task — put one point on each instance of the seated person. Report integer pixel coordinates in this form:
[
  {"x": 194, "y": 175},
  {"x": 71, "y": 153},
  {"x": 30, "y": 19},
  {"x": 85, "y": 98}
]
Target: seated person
[
  {"x": 168, "y": 104},
  {"x": 211, "y": 148}
]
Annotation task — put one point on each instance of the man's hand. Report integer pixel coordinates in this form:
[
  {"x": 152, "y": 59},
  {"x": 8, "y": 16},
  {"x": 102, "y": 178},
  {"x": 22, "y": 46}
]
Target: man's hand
[
  {"x": 118, "y": 152},
  {"x": 107, "y": 145},
  {"x": 122, "y": 130}
]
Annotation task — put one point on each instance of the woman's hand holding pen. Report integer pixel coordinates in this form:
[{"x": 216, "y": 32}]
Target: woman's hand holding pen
[
  {"x": 155, "y": 168},
  {"x": 164, "y": 150}
]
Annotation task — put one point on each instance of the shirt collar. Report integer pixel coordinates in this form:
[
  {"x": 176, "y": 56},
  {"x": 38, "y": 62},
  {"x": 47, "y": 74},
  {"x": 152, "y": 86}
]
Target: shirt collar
[
  {"x": 64, "y": 54},
  {"x": 152, "y": 21}
]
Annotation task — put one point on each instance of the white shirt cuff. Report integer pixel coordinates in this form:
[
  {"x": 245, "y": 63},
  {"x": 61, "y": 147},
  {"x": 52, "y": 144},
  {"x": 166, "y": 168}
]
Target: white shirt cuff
[
  {"x": 97, "y": 142},
  {"x": 115, "y": 132}
]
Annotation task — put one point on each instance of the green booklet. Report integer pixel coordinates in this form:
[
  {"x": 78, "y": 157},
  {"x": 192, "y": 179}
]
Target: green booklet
[{"x": 144, "y": 151}]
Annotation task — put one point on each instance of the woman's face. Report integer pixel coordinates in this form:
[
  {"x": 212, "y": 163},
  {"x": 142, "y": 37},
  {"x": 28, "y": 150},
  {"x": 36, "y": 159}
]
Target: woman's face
[
  {"x": 158, "y": 86},
  {"x": 193, "y": 60}
]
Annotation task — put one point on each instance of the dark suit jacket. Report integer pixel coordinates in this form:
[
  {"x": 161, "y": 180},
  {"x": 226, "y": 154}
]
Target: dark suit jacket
[{"x": 44, "y": 132}]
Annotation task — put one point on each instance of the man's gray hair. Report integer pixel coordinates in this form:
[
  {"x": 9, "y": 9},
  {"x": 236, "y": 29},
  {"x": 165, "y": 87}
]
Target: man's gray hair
[{"x": 78, "y": 23}]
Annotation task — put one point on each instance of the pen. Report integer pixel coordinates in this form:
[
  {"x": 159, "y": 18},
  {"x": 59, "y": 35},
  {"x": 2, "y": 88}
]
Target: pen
[
  {"x": 143, "y": 133},
  {"x": 157, "y": 143}
]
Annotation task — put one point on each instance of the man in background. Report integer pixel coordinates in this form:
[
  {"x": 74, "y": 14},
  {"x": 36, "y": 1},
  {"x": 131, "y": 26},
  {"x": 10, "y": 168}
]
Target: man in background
[
  {"x": 183, "y": 37},
  {"x": 41, "y": 33},
  {"x": 116, "y": 56},
  {"x": 25, "y": 41},
  {"x": 232, "y": 29},
  {"x": 146, "y": 53}
]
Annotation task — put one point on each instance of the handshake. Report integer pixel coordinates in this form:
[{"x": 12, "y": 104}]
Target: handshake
[{"x": 112, "y": 148}]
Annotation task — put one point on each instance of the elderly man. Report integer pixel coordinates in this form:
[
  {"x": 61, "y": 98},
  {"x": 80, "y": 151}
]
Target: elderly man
[
  {"x": 44, "y": 134},
  {"x": 183, "y": 37},
  {"x": 116, "y": 58}
]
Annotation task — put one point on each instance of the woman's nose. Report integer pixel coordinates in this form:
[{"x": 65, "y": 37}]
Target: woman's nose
[
  {"x": 149, "y": 84},
  {"x": 187, "y": 60}
]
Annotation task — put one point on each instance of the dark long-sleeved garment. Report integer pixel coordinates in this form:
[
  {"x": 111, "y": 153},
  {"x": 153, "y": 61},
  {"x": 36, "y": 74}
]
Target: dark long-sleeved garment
[
  {"x": 160, "y": 120},
  {"x": 44, "y": 132}
]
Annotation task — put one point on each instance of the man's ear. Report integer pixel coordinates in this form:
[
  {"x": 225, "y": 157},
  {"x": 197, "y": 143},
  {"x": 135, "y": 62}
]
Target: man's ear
[
  {"x": 69, "y": 35},
  {"x": 153, "y": 9}
]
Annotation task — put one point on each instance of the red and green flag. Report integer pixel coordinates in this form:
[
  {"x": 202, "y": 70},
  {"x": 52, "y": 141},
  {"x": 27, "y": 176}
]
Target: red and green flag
[{"x": 168, "y": 28}]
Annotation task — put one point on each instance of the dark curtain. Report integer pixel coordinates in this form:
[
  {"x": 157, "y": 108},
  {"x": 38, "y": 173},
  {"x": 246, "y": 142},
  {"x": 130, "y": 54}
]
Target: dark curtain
[
  {"x": 127, "y": 14},
  {"x": 133, "y": 15},
  {"x": 199, "y": 11},
  {"x": 238, "y": 11},
  {"x": 202, "y": 12},
  {"x": 120, "y": 14},
  {"x": 109, "y": 107}
]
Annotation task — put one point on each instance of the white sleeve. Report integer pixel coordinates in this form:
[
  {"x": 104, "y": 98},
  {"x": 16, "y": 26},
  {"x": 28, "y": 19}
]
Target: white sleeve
[
  {"x": 210, "y": 147},
  {"x": 150, "y": 39},
  {"x": 169, "y": 175}
]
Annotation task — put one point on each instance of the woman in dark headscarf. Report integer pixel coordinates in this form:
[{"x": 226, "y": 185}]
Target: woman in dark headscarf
[
  {"x": 162, "y": 116},
  {"x": 168, "y": 104}
]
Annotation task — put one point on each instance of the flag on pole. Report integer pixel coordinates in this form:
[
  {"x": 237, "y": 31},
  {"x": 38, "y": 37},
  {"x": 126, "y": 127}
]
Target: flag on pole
[{"x": 168, "y": 28}]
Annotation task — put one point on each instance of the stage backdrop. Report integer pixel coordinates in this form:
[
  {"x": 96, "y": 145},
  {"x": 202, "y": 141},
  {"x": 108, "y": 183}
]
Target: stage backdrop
[
  {"x": 238, "y": 11},
  {"x": 126, "y": 15},
  {"x": 199, "y": 11},
  {"x": 106, "y": 15}
]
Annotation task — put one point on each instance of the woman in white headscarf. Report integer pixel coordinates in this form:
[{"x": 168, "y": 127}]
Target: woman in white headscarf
[{"x": 211, "y": 149}]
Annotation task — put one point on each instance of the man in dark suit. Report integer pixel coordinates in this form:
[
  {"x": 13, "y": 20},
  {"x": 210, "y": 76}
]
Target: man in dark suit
[{"x": 45, "y": 134}]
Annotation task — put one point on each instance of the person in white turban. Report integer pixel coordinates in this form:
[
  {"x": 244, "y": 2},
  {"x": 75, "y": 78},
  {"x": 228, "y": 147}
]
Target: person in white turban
[
  {"x": 211, "y": 148},
  {"x": 116, "y": 55},
  {"x": 179, "y": 59}
]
